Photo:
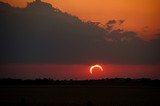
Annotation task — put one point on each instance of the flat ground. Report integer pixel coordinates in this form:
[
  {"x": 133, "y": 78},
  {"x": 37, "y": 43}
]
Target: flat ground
[{"x": 49, "y": 95}]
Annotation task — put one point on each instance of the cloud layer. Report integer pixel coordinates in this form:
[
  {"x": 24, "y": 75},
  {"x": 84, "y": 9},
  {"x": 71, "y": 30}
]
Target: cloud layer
[{"x": 40, "y": 33}]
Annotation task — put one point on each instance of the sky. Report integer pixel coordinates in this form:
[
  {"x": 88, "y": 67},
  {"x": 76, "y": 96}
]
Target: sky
[
  {"x": 141, "y": 16},
  {"x": 60, "y": 46},
  {"x": 78, "y": 71}
]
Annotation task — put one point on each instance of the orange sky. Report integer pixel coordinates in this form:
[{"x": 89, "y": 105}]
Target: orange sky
[
  {"x": 140, "y": 15},
  {"x": 76, "y": 71}
]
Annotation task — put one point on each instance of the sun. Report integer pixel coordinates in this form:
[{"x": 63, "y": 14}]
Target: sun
[{"x": 95, "y": 66}]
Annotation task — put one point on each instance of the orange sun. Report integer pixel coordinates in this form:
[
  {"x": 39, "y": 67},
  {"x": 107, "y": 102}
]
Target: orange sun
[{"x": 95, "y": 66}]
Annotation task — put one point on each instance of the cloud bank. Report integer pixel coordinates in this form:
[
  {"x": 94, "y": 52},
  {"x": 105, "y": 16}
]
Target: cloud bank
[{"x": 41, "y": 33}]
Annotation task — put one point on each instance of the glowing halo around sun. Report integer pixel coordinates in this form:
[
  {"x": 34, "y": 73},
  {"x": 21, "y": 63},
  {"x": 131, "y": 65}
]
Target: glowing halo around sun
[{"x": 95, "y": 66}]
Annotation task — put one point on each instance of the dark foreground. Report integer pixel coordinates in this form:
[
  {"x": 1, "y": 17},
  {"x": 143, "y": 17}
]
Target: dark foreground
[
  {"x": 104, "y": 92},
  {"x": 52, "y": 95}
]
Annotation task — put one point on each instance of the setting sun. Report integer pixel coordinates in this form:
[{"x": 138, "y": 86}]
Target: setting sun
[{"x": 95, "y": 66}]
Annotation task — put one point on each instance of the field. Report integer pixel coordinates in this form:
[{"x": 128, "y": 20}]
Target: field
[{"x": 78, "y": 95}]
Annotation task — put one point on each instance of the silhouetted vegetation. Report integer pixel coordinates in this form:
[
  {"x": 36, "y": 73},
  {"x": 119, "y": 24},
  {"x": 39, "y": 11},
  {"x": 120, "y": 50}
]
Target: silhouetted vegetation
[
  {"x": 103, "y": 92},
  {"x": 92, "y": 82}
]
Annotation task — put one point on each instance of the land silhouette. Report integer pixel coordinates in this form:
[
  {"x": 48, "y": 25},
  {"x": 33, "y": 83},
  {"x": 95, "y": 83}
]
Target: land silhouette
[
  {"x": 91, "y": 82},
  {"x": 102, "y": 92}
]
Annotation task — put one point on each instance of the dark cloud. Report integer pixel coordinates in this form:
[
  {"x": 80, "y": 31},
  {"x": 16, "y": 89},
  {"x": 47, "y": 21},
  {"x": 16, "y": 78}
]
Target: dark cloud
[
  {"x": 40, "y": 33},
  {"x": 145, "y": 29},
  {"x": 111, "y": 23},
  {"x": 121, "y": 22}
]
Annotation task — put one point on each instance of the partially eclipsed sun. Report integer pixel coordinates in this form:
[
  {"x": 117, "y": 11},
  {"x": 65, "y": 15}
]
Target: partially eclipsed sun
[{"x": 95, "y": 66}]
